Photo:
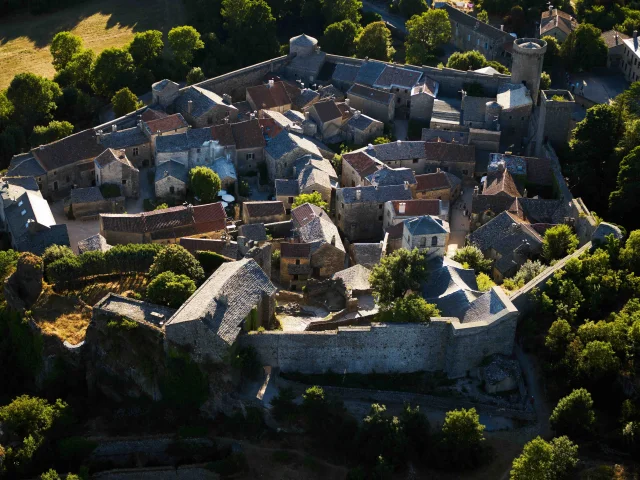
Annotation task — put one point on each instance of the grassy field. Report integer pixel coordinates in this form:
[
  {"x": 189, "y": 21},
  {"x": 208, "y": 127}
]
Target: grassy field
[{"x": 25, "y": 39}]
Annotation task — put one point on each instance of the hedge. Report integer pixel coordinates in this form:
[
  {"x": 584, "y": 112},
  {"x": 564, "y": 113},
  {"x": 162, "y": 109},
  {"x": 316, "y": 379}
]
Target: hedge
[
  {"x": 133, "y": 257},
  {"x": 210, "y": 261}
]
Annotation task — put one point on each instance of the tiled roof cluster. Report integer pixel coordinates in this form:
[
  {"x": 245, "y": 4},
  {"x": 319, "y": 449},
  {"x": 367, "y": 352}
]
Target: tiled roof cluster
[
  {"x": 295, "y": 250},
  {"x": 275, "y": 95},
  {"x": 373, "y": 94},
  {"x": 557, "y": 19},
  {"x": 192, "y": 138},
  {"x": 254, "y": 231},
  {"x": 202, "y": 101},
  {"x": 391, "y": 176},
  {"x": 373, "y": 194},
  {"x": 264, "y": 209},
  {"x": 436, "y": 181},
  {"x": 313, "y": 225},
  {"x": 355, "y": 278}
]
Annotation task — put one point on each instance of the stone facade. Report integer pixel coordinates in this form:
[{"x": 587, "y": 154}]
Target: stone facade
[
  {"x": 295, "y": 265},
  {"x": 382, "y": 107},
  {"x": 113, "y": 167}
]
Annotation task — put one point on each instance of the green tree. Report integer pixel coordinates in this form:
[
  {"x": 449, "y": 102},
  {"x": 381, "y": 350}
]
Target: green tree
[
  {"x": 125, "y": 101},
  {"x": 27, "y": 419},
  {"x": 113, "y": 69},
  {"x": 472, "y": 257},
  {"x": 374, "y": 41},
  {"x": 630, "y": 253},
  {"x": 623, "y": 199},
  {"x": 462, "y": 436},
  {"x": 79, "y": 68},
  {"x": 146, "y": 47},
  {"x": 483, "y": 16},
  {"x": 584, "y": 48},
  {"x": 484, "y": 282},
  {"x": 170, "y": 289},
  {"x": 195, "y": 75},
  {"x": 396, "y": 274},
  {"x": 545, "y": 81},
  {"x": 553, "y": 50},
  {"x": 54, "y": 253},
  {"x": 541, "y": 460},
  {"x": 50, "y": 474},
  {"x": 338, "y": 10},
  {"x": 6, "y": 109},
  {"x": 204, "y": 183},
  {"x": 598, "y": 360},
  {"x": 559, "y": 241},
  {"x": 416, "y": 428},
  {"x": 410, "y": 309},
  {"x": 63, "y": 47},
  {"x": 409, "y": 8},
  {"x": 251, "y": 24},
  {"x": 471, "y": 60},
  {"x": 558, "y": 338},
  {"x": 313, "y": 198},
  {"x": 426, "y": 32},
  {"x": 340, "y": 38},
  {"x": 8, "y": 261},
  {"x": 184, "y": 41},
  {"x": 574, "y": 415},
  {"x": 381, "y": 435},
  {"x": 56, "y": 130},
  {"x": 176, "y": 259},
  {"x": 33, "y": 98}
]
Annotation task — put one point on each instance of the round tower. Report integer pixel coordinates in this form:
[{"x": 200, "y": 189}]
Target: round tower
[
  {"x": 528, "y": 54},
  {"x": 303, "y": 45},
  {"x": 492, "y": 115}
]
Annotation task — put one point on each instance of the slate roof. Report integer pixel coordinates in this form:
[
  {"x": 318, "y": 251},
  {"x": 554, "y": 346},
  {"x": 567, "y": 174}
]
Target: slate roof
[
  {"x": 538, "y": 210},
  {"x": 268, "y": 97},
  {"x": 180, "y": 142},
  {"x": 223, "y": 134},
  {"x": 286, "y": 188},
  {"x": 309, "y": 63},
  {"x": 494, "y": 203},
  {"x": 613, "y": 39},
  {"x": 306, "y": 98},
  {"x": 160, "y": 85},
  {"x": 362, "y": 163},
  {"x": 539, "y": 171},
  {"x": 485, "y": 29},
  {"x": 433, "y": 135},
  {"x": 225, "y": 299},
  {"x": 398, "y": 150},
  {"x": 94, "y": 243},
  {"x": 203, "y": 101},
  {"x": 436, "y": 181},
  {"x": 361, "y": 122},
  {"x": 248, "y": 134},
  {"x": 393, "y": 76},
  {"x": 500, "y": 183},
  {"x": 86, "y": 195},
  {"x": 366, "y": 254},
  {"x": 414, "y": 208},
  {"x": 25, "y": 166},
  {"x": 329, "y": 91},
  {"x": 327, "y": 110},
  {"x": 345, "y": 73},
  {"x": 173, "y": 169},
  {"x": 264, "y": 209},
  {"x": 110, "y": 155},
  {"x": 311, "y": 176},
  {"x": 391, "y": 176},
  {"x": 38, "y": 242},
  {"x": 303, "y": 40},
  {"x": 372, "y": 94},
  {"x": 355, "y": 278},
  {"x": 152, "y": 114},
  {"x": 369, "y": 72},
  {"x": 224, "y": 168},
  {"x": 69, "y": 150},
  {"x": 318, "y": 163},
  {"x": 12, "y": 187},
  {"x": 451, "y": 152},
  {"x": 129, "y": 137},
  {"x": 427, "y": 86},
  {"x": 167, "y": 124},
  {"x": 513, "y": 95},
  {"x": 493, "y": 233},
  {"x": 373, "y": 194},
  {"x": 557, "y": 19},
  {"x": 254, "y": 231},
  {"x": 295, "y": 250},
  {"x": 313, "y": 225},
  {"x": 221, "y": 247},
  {"x": 288, "y": 142},
  {"x": 426, "y": 225}
]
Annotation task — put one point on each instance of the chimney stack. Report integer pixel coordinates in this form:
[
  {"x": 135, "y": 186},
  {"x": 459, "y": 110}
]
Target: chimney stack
[
  {"x": 402, "y": 208},
  {"x": 306, "y": 115},
  {"x": 270, "y": 84},
  {"x": 356, "y": 114},
  {"x": 438, "y": 170},
  {"x": 550, "y": 8},
  {"x": 358, "y": 194},
  {"x": 406, "y": 185},
  {"x": 347, "y": 101},
  {"x": 98, "y": 137},
  {"x": 226, "y": 98},
  {"x": 189, "y": 106},
  {"x": 502, "y": 28},
  {"x": 114, "y": 128},
  {"x": 333, "y": 240}
]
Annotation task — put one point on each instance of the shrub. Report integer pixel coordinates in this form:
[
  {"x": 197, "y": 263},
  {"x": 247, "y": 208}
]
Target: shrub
[
  {"x": 204, "y": 183},
  {"x": 56, "y": 252},
  {"x": 313, "y": 198},
  {"x": 472, "y": 257},
  {"x": 8, "y": 262},
  {"x": 574, "y": 414},
  {"x": 410, "y": 309},
  {"x": 484, "y": 282},
  {"x": 170, "y": 289},
  {"x": 283, "y": 406},
  {"x": 176, "y": 259},
  {"x": 123, "y": 324},
  {"x": 210, "y": 261},
  {"x": 275, "y": 259},
  {"x": 558, "y": 242},
  {"x": 110, "y": 190}
]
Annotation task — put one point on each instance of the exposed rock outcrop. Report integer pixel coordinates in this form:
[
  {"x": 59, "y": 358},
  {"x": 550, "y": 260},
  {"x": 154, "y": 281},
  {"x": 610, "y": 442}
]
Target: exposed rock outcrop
[{"x": 23, "y": 287}]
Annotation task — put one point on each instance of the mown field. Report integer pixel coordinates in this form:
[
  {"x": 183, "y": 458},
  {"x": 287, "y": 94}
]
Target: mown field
[{"x": 25, "y": 39}]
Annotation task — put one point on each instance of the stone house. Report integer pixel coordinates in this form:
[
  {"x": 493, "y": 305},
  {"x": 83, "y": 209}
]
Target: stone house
[
  {"x": 306, "y": 59},
  {"x": 88, "y": 202},
  {"x": 238, "y": 296},
  {"x": 272, "y": 95},
  {"x": 312, "y": 225},
  {"x": 163, "y": 226},
  {"x": 26, "y": 216},
  {"x": 169, "y": 125},
  {"x": 356, "y": 166},
  {"x": 171, "y": 180},
  {"x": 615, "y": 44},
  {"x": 284, "y": 150},
  {"x": 631, "y": 58},
  {"x": 460, "y": 160},
  {"x": 397, "y": 211},
  {"x": 203, "y": 108},
  {"x": 399, "y": 154},
  {"x": 373, "y": 102},
  {"x": 286, "y": 192},
  {"x": 263, "y": 212},
  {"x": 328, "y": 117},
  {"x": 164, "y": 93},
  {"x": 391, "y": 176},
  {"x": 249, "y": 145},
  {"x": 439, "y": 185},
  {"x": 359, "y": 210},
  {"x": 361, "y": 129},
  {"x": 312, "y": 179},
  {"x": 468, "y": 33},
  {"x": 516, "y": 106},
  {"x": 557, "y": 24},
  {"x": 193, "y": 148},
  {"x": 500, "y": 183},
  {"x": 400, "y": 81},
  {"x": 113, "y": 167},
  {"x": 428, "y": 234},
  {"x": 422, "y": 99},
  {"x": 133, "y": 141},
  {"x": 295, "y": 265}
]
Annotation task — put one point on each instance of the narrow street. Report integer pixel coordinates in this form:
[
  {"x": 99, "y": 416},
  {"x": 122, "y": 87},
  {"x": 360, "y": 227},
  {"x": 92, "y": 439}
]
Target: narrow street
[
  {"x": 395, "y": 20},
  {"x": 459, "y": 223}
]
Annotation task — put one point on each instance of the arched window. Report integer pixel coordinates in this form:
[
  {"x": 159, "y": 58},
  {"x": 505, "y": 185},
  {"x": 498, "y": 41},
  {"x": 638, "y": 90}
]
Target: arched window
[{"x": 434, "y": 241}]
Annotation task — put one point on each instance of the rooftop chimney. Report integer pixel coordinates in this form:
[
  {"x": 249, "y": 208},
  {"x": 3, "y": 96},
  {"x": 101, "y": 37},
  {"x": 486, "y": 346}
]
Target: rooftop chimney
[
  {"x": 550, "y": 8},
  {"x": 356, "y": 114},
  {"x": 402, "y": 207},
  {"x": 333, "y": 240},
  {"x": 370, "y": 146},
  {"x": 270, "y": 84},
  {"x": 306, "y": 115},
  {"x": 226, "y": 98},
  {"x": 438, "y": 170},
  {"x": 476, "y": 190},
  {"x": 347, "y": 101},
  {"x": 398, "y": 142},
  {"x": 406, "y": 185},
  {"x": 635, "y": 36},
  {"x": 189, "y": 106},
  {"x": 358, "y": 194},
  {"x": 502, "y": 28},
  {"x": 98, "y": 137},
  {"x": 114, "y": 128}
]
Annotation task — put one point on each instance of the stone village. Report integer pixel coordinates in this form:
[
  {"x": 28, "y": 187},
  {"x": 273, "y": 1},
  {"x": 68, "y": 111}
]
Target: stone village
[{"x": 484, "y": 173}]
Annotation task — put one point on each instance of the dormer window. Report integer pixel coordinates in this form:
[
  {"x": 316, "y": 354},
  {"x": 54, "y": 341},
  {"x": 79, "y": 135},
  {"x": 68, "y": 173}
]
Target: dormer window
[
  {"x": 20, "y": 203},
  {"x": 23, "y": 212}
]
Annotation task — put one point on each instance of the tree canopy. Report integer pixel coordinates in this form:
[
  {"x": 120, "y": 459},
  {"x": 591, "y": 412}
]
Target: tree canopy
[
  {"x": 195, "y": 75},
  {"x": 559, "y": 241},
  {"x": 584, "y": 48},
  {"x": 545, "y": 460},
  {"x": 622, "y": 201},
  {"x": 63, "y": 47},
  {"x": 397, "y": 273},
  {"x": 125, "y": 101},
  {"x": 374, "y": 41},
  {"x": 170, "y": 289},
  {"x": 409, "y": 8},
  {"x": 471, "y": 60},
  {"x": 176, "y": 259},
  {"x": 204, "y": 183},
  {"x": 340, "y": 38},
  {"x": 146, "y": 47},
  {"x": 472, "y": 257},
  {"x": 184, "y": 41},
  {"x": 33, "y": 99},
  {"x": 313, "y": 198},
  {"x": 56, "y": 130},
  {"x": 462, "y": 437},
  {"x": 113, "y": 69},
  {"x": 574, "y": 415},
  {"x": 427, "y": 31},
  {"x": 410, "y": 309},
  {"x": 338, "y": 10}
]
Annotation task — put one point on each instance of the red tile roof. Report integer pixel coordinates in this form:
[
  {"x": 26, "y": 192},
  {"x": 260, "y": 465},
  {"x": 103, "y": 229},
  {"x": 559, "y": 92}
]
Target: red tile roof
[
  {"x": 270, "y": 127},
  {"x": 414, "y": 208},
  {"x": 432, "y": 181},
  {"x": 210, "y": 217},
  {"x": 166, "y": 124},
  {"x": 361, "y": 163},
  {"x": 150, "y": 114},
  {"x": 500, "y": 183},
  {"x": 295, "y": 250},
  {"x": 223, "y": 134},
  {"x": 274, "y": 96},
  {"x": 264, "y": 209},
  {"x": 305, "y": 213},
  {"x": 248, "y": 134}
]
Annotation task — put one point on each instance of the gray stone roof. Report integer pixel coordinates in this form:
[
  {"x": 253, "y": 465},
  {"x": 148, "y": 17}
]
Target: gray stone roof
[
  {"x": 485, "y": 29},
  {"x": 25, "y": 166},
  {"x": 321, "y": 164},
  {"x": 94, "y": 243},
  {"x": 371, "y": 94},
  {"x": 159, "y": 86},
  {"x": 287, "y": 142},
  {"x": 193, "y": 138},
  {"x": 504, "y": 234},
  {"x": 355, "y": 278},
  {"x": 373, "y": 194},
  {"x": 221, "y": 247},
  {"x": 13, "y": 187},
  {"x": 310, "y": 176},
  {"x": 29, "y": 207},
  {"x": 361, "y": 122},
  {"x": 38, "y": 241},
  {"x": 345, "y": 73},
  {"x": 223, "y": 301},
  {"x": 306, "y": 97},
  {"x": 303, "y": 40},
  {"x": 369, "y": 72},
  {"x": 172, "y": 168},
  {"x": 136, "y": 310},
  {"x": 401, "y": 77},
  {"x": 399, "y": 150},
  {"x": 286, "y": 188},
  {"x": 513, "y": 95},
  {"x": 433, "y": 134},
  {"x": 203, "y": 101},
  {"x": 254, "y": 231},
  {"x": 86, "y": 195},
  {"x": 314, "y": 226},
  {"x": 391, "y": 176},
  {"x": 366, "y": 254},
  {"x": 426, "y": 225},
  {"x": 129, "y": 137}
]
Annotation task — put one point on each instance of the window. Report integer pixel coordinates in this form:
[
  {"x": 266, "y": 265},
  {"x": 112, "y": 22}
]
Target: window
[
  {"x": 465, "y": 172},
  {"x": 486, "y": 45},
  {"x": 172, "y": 190},
  {"x": 415, "y": 160},
  {"x": 251, "y": 156},
  {"x": 290, "y": 199},
  {"x": 380, "y": 218},
  {"x": 20, "y": 203},
  {"x": 478, "y": 42},
  {"x": 380, "y": 206},
  {"x": 434, "y": 241},
  {"x": 55, "y": 173},
  {"x": 124, "y": 182},
  {"x": 469, "y": 38},
  {"x": 135, "y": 151},
  {"x": 23, "y": 212},
  {"x": 297, "y": 262},
  {"x": 423, "y": 242},
  {"x": 198, "y": 150},
  {"x": 406, "y": 91},
  {"x": 295, "y": 277}
]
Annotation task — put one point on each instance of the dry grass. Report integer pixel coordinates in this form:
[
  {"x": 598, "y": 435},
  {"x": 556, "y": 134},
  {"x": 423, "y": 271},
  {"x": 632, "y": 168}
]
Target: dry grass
[
  {"x": 94, "y": 291},
  {"x": 24, "y": 39}
]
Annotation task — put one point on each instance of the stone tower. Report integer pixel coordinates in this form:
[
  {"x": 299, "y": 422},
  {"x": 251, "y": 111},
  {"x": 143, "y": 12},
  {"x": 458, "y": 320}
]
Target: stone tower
[
  {"x": 526, "y": 68},
  {"x": 302, "y": 45},
  {"x": 553, "y": 121},
  {"x": 492, "y": 115}
]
